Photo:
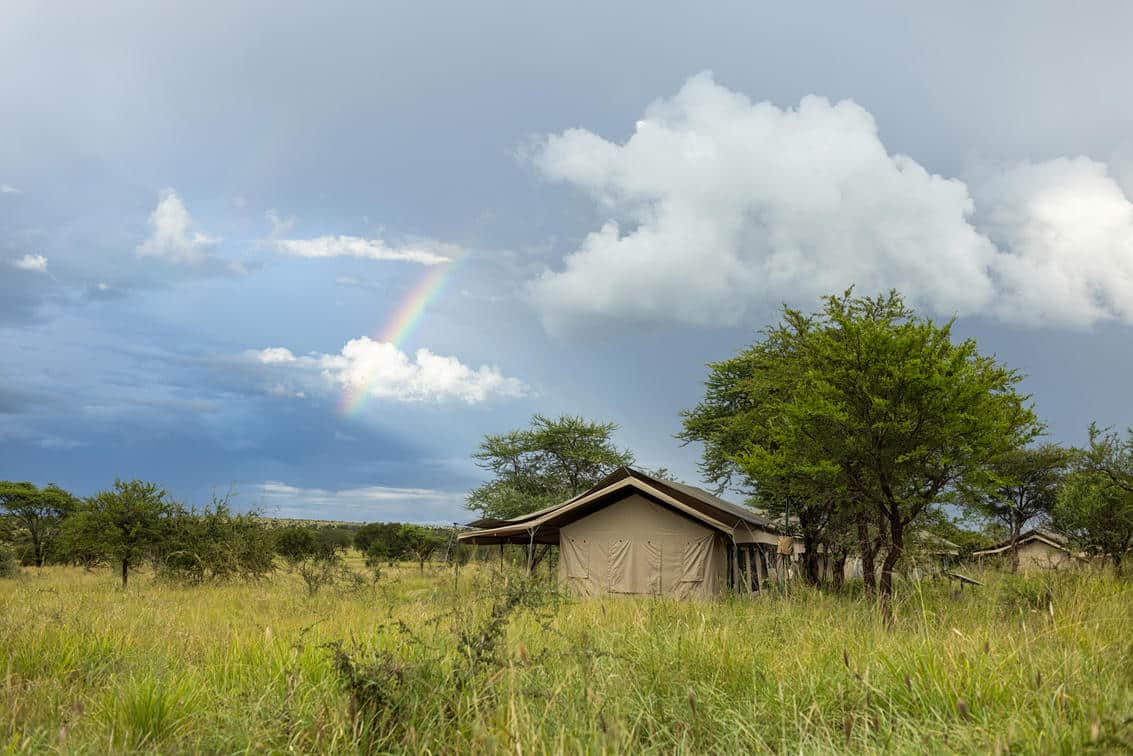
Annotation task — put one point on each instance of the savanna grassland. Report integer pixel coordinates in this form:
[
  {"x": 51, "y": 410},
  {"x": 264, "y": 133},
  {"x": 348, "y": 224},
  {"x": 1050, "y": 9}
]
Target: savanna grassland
[{"x": 1041, "y": 664}]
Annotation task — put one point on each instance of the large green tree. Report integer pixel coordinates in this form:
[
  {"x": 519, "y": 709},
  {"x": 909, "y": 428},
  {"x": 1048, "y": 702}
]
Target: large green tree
[
  {"x": 740, "y": 396},
  {"x": 1024, "y": 489},
  {"x": 1095, "y": 502},
  {"x": 124, "y": 524},
  {"x": 881, "y": 408},
  {"x": 552, "y": 460},
  {"x": 36, "y": 514},
  {"x": 1111, "y": 456}
]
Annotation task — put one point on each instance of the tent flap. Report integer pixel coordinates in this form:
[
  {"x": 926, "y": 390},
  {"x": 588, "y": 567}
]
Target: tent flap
[
  {"x": 576, "y": 557},
  {"x": 694, "y": 562}
]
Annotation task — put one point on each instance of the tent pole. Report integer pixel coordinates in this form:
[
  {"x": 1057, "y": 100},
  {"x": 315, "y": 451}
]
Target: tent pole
[
  {"x": 744, "y": 575},
  {"x": 531, "y": 552},
  {"x": 745, "y": 561},
  {"x": 735, "y": 565}
]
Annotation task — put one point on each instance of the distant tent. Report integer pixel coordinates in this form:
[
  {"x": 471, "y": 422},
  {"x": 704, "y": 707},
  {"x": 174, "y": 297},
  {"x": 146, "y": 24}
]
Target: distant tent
[
  {"x": 1038, "y": 549},
  {"x": 636, "y": 534}
]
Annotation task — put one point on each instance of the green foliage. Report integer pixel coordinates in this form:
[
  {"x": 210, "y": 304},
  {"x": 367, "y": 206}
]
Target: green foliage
[
  {"x": 386, "y": 691},
  {"x": 547, "y": 463},
  {"x": 1023, "y": 488},
  {"x": 295, "y": 544},
  {"x": 1110, "y": 455},
  {"x": 9, "y": 565},
  {"x": 36, "y": 515},
  {"x": 1094, "y": 507},
  {"x": 967, "y": 535},
  {"x": 421, "y": 541},
  {"x": 123, "y": 525},
  {"x": 380, "y": 540},
  {"x": 864, "y": 408},
  {"x": 216, "y": 544},
  {"x": 334, "y": 537},
  {"x": 321, "y": 567}
]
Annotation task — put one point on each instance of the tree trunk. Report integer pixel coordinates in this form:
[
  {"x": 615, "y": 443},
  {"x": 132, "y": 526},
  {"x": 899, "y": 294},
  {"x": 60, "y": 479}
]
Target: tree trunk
[
  {"x": 1015, "y": 533},
  {"x": 838, "y": 570},
  {"x": 125, "y": 572},
  {"x": 37, "y": 549},
  {"x": 810, "y": 559},
  {"x": 892, "y": 557},
  {"x": 540, "y": 555},
  {"x": 866, "y": 546}
]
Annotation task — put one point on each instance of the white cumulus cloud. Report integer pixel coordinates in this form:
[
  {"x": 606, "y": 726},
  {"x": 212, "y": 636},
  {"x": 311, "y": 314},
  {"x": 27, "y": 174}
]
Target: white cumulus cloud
[
  {"x": 718, "y": 206},
  {"x": 1065, "y": 229},
  {"x": 423, "y": 251},
  {"x": 172, "y": 235},
  {"x": 379, "y": 369},
  {"x": 34, "y": 263},
  {"x": 9, "y": 189}
]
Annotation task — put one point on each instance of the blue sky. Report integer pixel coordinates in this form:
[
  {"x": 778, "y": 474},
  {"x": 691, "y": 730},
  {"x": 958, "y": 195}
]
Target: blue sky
[{"x": 210, "y": 217}]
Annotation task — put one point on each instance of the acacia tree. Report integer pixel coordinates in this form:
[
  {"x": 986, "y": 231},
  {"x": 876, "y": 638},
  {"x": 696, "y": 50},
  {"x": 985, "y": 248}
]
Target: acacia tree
[
  {"x": 740, "y": 394},
  {"x": 123, "y": 524},
  {"x": 1110, "y": 456},
  {"x": 1095, "y": 503},
  {"x": 421, "y": 542},
  {"x": 1025, "y": 489},
  {"x": 549, "y": 462},
  {"x": 881, "y": 402},
  {"x": 37, "y": 513}
]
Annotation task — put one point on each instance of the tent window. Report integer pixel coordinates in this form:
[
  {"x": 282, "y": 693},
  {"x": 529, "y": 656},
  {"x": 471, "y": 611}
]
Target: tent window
[
  {"x": 635, "y": 567},
  {"x": 694, "y": 560},
  {"x": 576, "y": 557}
]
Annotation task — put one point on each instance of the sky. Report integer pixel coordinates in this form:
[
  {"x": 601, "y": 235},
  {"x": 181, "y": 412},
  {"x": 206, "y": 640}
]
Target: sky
[{"x": 309, "y": 254}]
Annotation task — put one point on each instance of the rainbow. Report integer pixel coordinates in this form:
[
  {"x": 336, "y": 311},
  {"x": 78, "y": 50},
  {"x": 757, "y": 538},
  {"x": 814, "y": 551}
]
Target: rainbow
[{"x": 396, "y": 330}]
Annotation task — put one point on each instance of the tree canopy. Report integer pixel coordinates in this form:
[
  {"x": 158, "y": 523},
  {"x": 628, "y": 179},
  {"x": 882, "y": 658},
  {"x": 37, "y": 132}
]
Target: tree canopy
[
  {"x": 1095, "y": 504},
  {"x": 1024, "y": 488},
  {"x": 552, "y": 460},
  {"x": 124, "y": 524},
  {"x": 36, "y": 513},
  {"x": 874, "y": 409}
]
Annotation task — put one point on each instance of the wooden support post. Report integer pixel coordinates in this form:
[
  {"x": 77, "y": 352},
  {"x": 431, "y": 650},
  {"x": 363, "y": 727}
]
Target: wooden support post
[
  {"x": 735, "y": 567},
  {"x": 749, "y": 566},
  {"x": 741, "y": 569}
]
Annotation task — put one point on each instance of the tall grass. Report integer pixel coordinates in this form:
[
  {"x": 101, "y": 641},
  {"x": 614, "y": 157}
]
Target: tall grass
[{"x": 1040, "y": 664}]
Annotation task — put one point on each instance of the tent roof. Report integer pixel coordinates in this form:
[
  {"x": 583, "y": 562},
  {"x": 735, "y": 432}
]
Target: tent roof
[
  {"x": 1050, "y": 538},
  {"x": 935, "y": 544},
  {"x": 543, "y": 525}
]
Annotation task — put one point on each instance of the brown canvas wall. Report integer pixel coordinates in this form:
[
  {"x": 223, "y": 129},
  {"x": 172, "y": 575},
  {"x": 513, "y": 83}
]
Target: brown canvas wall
[
  {"x": 1036, "y": 555},
  {"x": 637, "y": 547}
]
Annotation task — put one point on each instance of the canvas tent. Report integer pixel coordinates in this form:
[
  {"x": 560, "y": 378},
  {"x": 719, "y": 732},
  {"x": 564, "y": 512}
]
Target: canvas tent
[
  {"x": 1038, "y": 549},
  {"x": 632, "y": 533}
]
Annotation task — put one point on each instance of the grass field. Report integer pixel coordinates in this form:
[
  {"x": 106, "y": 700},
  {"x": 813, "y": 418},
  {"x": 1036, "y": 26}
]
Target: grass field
[{"x": 1035, "y": 665}]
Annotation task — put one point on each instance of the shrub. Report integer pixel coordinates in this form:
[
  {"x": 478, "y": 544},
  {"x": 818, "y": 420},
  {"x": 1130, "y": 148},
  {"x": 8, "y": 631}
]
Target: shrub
[
  {"x": 295, "y": 544},
  {"x": 216, "y": 544},
  {"x": 9, "y": 565}
]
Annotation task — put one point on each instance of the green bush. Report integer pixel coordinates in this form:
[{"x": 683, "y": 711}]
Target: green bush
[{"x": 9, "y": 565}]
